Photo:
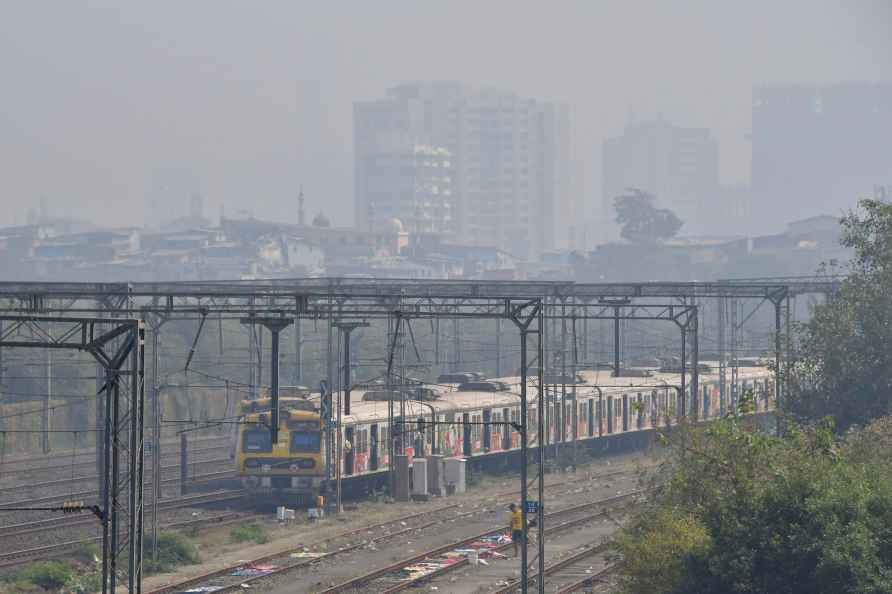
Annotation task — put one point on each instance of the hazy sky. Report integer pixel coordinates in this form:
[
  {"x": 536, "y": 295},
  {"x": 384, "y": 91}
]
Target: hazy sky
[{"x": 256, "y": 97}]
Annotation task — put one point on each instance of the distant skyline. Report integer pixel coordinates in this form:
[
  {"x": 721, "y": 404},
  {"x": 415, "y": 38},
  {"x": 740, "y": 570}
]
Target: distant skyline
[{"x": 256, "y": 100}]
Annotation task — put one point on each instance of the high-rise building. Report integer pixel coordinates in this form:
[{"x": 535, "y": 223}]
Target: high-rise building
[
  {"x": 411, "y": 184},
  {"x": 509, "y": 158},
  {"x": 818, "y": 148},
  {"x": 677, "y": 165}
]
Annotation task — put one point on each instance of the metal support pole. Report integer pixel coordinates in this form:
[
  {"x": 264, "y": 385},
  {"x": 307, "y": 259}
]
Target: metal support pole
[
  {"x": 574, "y": 436},
  {"x": 541, "y": 515},
  {"x": 48, "y": 396},
  {"x": 106, "y": 481},
  {"x": 252, "y": 366},
  {"x": 723, "y": 395},
  {"x": 274, "y": 386},
  {"x": 456, "y": 345},
  {"x": 524, "y": 563},
  {"x": 695, "y": 363},
  {"x": 156, "y": 440},
  {"x": 115, "y": 486},
  {"x": 298, "y": 352},
  {"x": 436, "y": 341},
  {"x": 778, "y": 374},
  {"x": 585, "y": 339},
  {"x": 393, "y": 331},
  {"x": 682, "y": 410},
  {"x": 616, "y": 362},
  {"x": 135, "y": 527},
  {"x": 184, "y": 464},
  {"x": 330, "y": 376},
  {"x": 346, "y": 330},
  {"x": 259, "y": 345},
  {"x": 498, "y": 347},
  {"x": 562, "y": 435},
  {"x": 339, "y": 442},
  {"x": 275, "y": 325}
]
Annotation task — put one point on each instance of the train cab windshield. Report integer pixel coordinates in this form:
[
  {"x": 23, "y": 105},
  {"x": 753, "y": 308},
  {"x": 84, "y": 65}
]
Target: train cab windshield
[
  {"x": 257, "y": 440},
  {"x": 305, "y": 441}
]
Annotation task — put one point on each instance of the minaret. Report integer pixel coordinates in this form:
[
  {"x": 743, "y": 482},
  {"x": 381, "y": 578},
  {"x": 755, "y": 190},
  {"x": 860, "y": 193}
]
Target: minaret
[{"x": 300, "y": 207}]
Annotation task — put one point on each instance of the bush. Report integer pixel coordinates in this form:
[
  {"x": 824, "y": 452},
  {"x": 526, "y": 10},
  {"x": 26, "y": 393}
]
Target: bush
[
  {"x": 173, "y": 550},
  {"x": 49, "y": 575},
  {"x": 736, "y": 510},
  {"x": 86, "y": 553},
  {"x": 250, "y": 531}
]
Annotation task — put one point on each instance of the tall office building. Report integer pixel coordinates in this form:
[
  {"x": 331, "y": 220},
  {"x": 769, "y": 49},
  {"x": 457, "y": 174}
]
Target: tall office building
[
  {"x": 677, "y": 165},
  {"x": 818, "y": 148},
  {"x": 509, "y": 158}
]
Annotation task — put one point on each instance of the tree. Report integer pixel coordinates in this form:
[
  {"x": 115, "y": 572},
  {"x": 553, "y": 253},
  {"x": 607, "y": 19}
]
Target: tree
[
  {"x": 737, "y": 510},
  {"x": 641, "y": 221},
  {"x": 843, "y": 364}
]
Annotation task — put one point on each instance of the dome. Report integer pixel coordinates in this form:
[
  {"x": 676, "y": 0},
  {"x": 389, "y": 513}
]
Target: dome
[
  {"x": 320, "y": 220},
  {"x": 394, "y": 226}
]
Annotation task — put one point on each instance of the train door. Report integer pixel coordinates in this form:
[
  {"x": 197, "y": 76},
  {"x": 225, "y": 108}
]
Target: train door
[
  {"x": 507, "y": 417},
  {"x": 349, "y": 438},
  {"x": 600, "y": 416},
  {"x": 654, "y": 405},
  {"x": 639, "y": 404},
  {"x": 487, "y": 430},
  {"x": 610, "y": 414},
  {"x": 625, "y": 412},
  {"x": 591, "y": 418},
  {"x": 373, "y": 453},
  {"x": 569, "y": 421},
  {"x": 466, "y": 434}
]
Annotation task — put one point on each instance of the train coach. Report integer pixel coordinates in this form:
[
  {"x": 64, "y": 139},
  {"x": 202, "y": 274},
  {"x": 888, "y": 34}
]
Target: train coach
[{"x": 479, "y": 419}]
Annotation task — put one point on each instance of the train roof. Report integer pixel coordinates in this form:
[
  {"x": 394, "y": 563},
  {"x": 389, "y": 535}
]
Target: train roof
[{"x": 455, "y": 400}]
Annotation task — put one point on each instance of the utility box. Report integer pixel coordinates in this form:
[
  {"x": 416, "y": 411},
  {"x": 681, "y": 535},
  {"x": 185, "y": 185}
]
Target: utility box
[
  {"x": 401, "y": 478},
  {"x": 454, "y": 474},
  {"x": 435, "y": 474},
  {"x": 419, "y": 478}
]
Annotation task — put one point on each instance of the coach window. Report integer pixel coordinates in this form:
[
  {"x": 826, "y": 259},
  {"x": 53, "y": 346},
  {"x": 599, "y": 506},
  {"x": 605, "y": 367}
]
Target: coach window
[
  {"x": 257, "y": 440},
  {"x": 305, "y": 441}
]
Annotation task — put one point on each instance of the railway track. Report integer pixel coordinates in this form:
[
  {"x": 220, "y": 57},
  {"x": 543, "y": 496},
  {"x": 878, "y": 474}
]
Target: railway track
[
  {"x": 62, "y": 458},
  {"x": 17, "y": 557},
  {"x": 93, "y": 477},
  {"x": 388, "y": 580},
  {"x": 59, "y": 522},
  {"x": 383, "y": 531},
  {"x": 570, "y": 574},
  {"x": 50, "y": 499}
]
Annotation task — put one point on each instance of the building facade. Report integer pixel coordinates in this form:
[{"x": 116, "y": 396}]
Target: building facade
[
  {"x": 677, "y": 165},
  {"x": 412, "y": 184},
  {"x": 509, "y": 158}
]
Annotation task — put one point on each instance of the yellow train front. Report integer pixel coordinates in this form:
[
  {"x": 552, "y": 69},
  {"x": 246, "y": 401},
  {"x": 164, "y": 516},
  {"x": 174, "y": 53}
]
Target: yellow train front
[{"x": 291, "y": 471}]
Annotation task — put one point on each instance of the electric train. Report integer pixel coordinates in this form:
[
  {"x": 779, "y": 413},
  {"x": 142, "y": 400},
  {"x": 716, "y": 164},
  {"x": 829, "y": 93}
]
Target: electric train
[{"x": 476, "y": 419}]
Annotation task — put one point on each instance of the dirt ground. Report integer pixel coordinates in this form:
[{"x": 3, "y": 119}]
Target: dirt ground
[{"x": 218, "y": 552}]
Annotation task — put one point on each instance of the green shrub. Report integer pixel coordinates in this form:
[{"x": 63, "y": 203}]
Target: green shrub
[
  {"x": 49, "y": 575},
  {"x": 173, "y": 550},
  {"x": 86, "y": 553},
  {"x": 250, "y": 531}
]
